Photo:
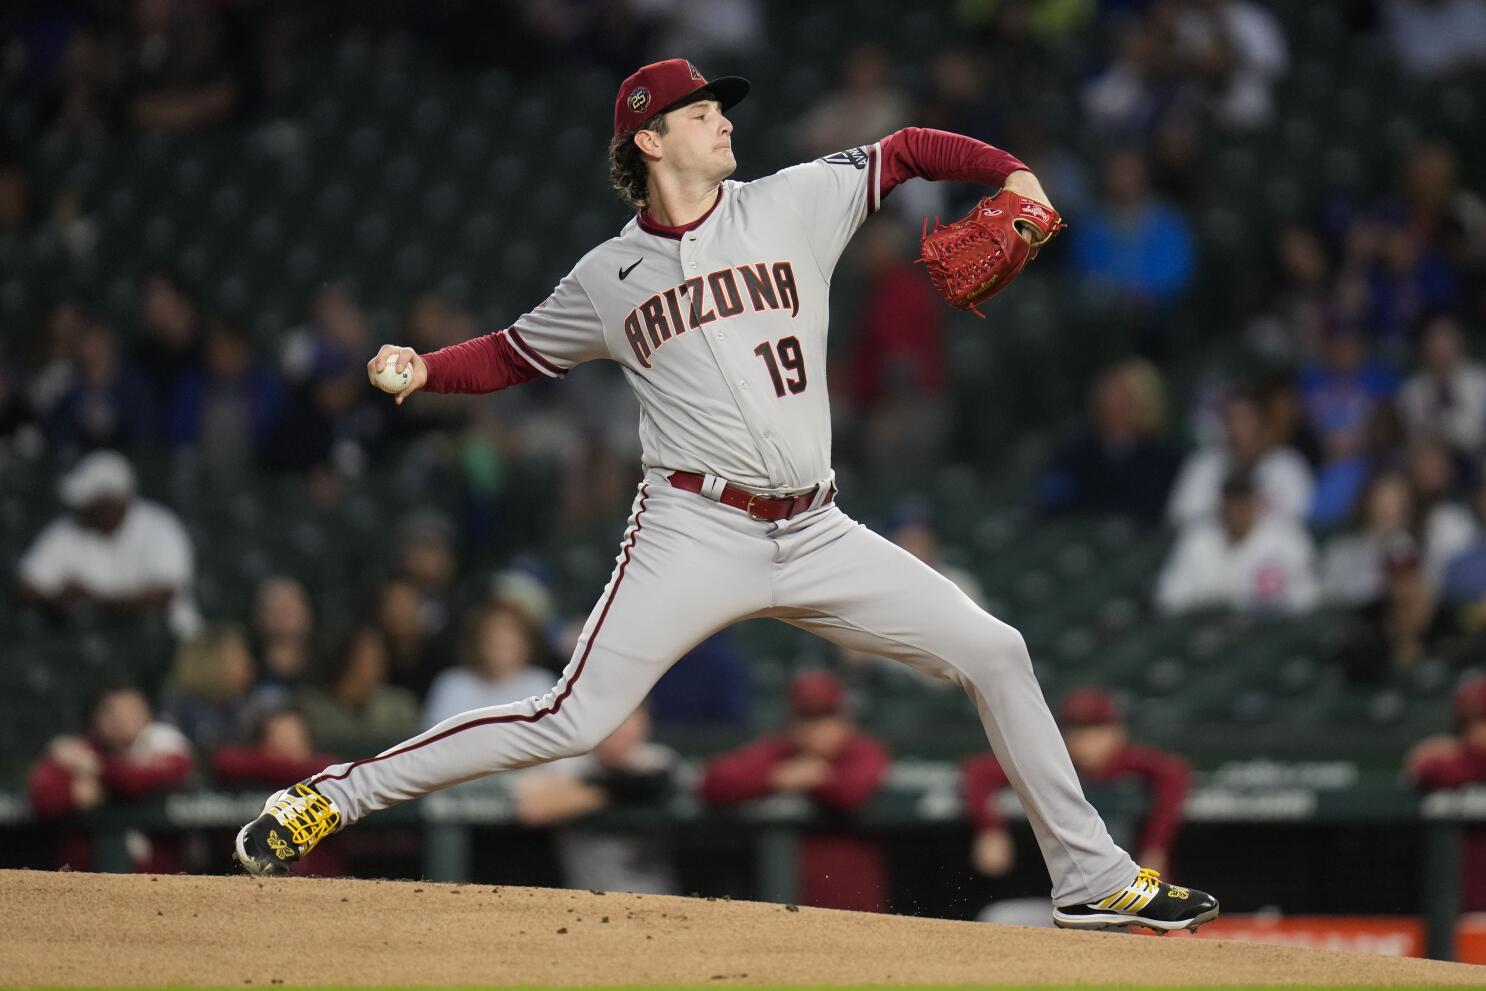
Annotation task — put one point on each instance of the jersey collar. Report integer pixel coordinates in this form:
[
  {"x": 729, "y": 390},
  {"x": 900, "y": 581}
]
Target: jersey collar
[{"x": 674, "y": 233}]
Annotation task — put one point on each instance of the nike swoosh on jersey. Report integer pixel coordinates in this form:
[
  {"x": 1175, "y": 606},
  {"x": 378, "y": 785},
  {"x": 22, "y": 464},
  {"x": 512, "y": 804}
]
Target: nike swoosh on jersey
[{"x": 624, "y": 272}]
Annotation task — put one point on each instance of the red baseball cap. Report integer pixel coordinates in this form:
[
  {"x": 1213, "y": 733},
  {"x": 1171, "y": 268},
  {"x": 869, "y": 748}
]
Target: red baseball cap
[
  {"x": 816, "y": 693},
  {"x": 661, "y": 85},
  {"x": 1088, "y": 707}
]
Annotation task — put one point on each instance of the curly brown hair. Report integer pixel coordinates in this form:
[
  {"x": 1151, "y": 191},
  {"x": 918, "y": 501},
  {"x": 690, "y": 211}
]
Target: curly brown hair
[{"x": 628, "y": 173}]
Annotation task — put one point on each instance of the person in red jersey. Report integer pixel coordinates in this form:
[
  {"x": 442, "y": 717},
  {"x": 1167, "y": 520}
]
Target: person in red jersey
[
  {"x": 126, "y": 756},
  {"x": 826, "y": 757},
  {"x": 1100, "y": 746},
  {"x": 1458, "y": 761},
  {"x": 282, "y": 752}
]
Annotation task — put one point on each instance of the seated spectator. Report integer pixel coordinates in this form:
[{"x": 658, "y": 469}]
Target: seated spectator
[
  {"x": 1243, "y": 561},
  {"x": 1133, "y": 247},
  {"x": 1446, "y": 528},
  {"x": 283, "y": 637},
  {"x": 1301, "y": 305},
  {"x": 353, "y": 708},
  {"x": 1401, "y": 627},
  {"x": 1235, "y": 50},
  {"x": 1352, "y": 564},
  {"x": 113, "y": 551},
  {"x": 1464, "y": 581},
  {"x": 827, "y": 758},
  {"x": 866, "y": 105},
  {"x": 1448, "y": 215},
  {"x": 1345, "y": 469},
  {"x": 911, "y": 528},
  {"x": 126, "y": 756},
  {"x": 1283, "y": 479},
  {"x": 1341, "y": 390},
  {"x": 1436, "y": 38},
  {"x": 415, "y": 606},
  {"x": 1403, "y": 282},
  {"x": 1446, "y": 398},
  {"x": 178, "y": 68},
  {"x": 707, "y": 687},
  {"x": 502, "y": 648},
  {"x": 327, "y": 402},
  {"x": 226, "y": 409},
  {"x": 1119, "y": 465},
  {"x": 280, "y": 753},
  {"x": 170, "y": 347},
  {"x": 108, "y": 404},
  {"x": 1128, "y": 95},
  {"x": 415, "y": 658},
  {"x": 54, "y": 362},
  {"x": 206, "y": 697},
  {"x": 1459, "y": 761},
  {"x": 898, "y": 342},
  {"x": 1099, "y": 745},
  {"x": 625, "y": 770}
]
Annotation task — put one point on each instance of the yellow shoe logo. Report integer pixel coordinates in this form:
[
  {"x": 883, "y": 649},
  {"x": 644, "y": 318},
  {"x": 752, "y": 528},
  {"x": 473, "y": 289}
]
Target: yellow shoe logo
[
  {"x": 1181, "y": 893},
  {"x": 278, "y": 846}
]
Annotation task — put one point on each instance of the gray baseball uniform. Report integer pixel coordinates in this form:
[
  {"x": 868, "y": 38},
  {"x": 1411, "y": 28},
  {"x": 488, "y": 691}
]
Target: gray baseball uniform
[{"x": 721, "y": 329}]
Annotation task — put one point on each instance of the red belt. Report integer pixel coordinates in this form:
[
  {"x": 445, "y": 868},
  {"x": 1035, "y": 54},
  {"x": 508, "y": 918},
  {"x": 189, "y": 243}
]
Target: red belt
[{"x": 765, "y": 508}]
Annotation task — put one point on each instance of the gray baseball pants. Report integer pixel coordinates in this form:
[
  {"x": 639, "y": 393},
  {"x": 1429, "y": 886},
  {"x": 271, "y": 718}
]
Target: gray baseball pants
[{"x": 689, "y": 566}]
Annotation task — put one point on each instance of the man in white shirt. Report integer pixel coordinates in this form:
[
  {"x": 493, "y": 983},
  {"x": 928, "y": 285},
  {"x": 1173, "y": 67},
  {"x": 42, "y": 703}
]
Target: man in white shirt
[
  {"x": 112, "y": 551},
  {"x": 1243, "y": 561},
  {"x": 1282, "y": 479}
]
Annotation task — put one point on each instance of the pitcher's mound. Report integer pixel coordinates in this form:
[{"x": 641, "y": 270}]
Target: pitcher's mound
[{"x": 98, "y": 929}]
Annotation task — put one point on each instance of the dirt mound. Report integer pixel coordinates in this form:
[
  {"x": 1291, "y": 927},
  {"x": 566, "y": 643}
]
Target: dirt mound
[{"x": 99, "y": 929}]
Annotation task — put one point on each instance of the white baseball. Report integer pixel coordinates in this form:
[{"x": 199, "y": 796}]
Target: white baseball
[{"x": 389, "y": 379}]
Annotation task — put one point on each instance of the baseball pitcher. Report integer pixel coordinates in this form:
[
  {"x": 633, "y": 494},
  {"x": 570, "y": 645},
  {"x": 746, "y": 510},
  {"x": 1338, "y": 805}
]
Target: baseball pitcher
[{"x": 714, "y": 301}]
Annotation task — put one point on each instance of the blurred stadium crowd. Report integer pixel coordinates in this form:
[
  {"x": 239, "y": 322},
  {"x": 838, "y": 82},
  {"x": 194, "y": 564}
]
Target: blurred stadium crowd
[{"x": 1271, "y": 298}]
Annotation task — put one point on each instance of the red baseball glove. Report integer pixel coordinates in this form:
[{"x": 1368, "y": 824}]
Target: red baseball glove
[{"x": 974, "y": 258}]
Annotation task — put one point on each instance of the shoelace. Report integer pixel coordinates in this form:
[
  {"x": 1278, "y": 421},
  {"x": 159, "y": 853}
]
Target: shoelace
[
  {"x": 1149, "y": 879},
  {"x": 307, "y": 814}
]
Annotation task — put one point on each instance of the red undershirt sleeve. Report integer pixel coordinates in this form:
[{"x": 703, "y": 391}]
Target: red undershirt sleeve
[
  {"x": 924, "y": 153},
  {"x": 481, "y": 364}
]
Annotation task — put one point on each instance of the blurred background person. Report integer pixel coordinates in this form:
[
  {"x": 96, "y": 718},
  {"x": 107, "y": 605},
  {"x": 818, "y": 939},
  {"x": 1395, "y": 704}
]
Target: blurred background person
[
  {"x": 708, "y": 688},
  {"x": 1458, "y": 760},
  {"x": 1352, "y": 564},
  {"x": 351, "y": 707},
  {"x": 866, "y": 104},
  {"x": 1099, "y": 745},
  {"x": 283, "y": 637},
  {"x": 1446, "y": 397},
  {"x": 1400, "y": 628},
  {"x": 279, "y": 752},
  {"x": 207, "y": 695},
  {"x": 1133, "y": 250},
  {"x": 1119, "y": 464},
  {"x": 1243, "y": 561},
  {"x": 1283, "y": 479},
  {"x": 113, "y": 552},
  {"x": 824, "y": 757},
  {"x": 625, "y": 770},
  {"x": 126, "y": 756},
  {"x": 501, "y": 651}
]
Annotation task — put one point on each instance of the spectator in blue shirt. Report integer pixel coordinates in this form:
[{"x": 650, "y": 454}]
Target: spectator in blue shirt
[{"x": 1132, "y": 244}]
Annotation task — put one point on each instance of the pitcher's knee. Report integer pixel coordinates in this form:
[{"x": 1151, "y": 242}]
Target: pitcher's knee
[{"x": 1000, "y": 650}]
